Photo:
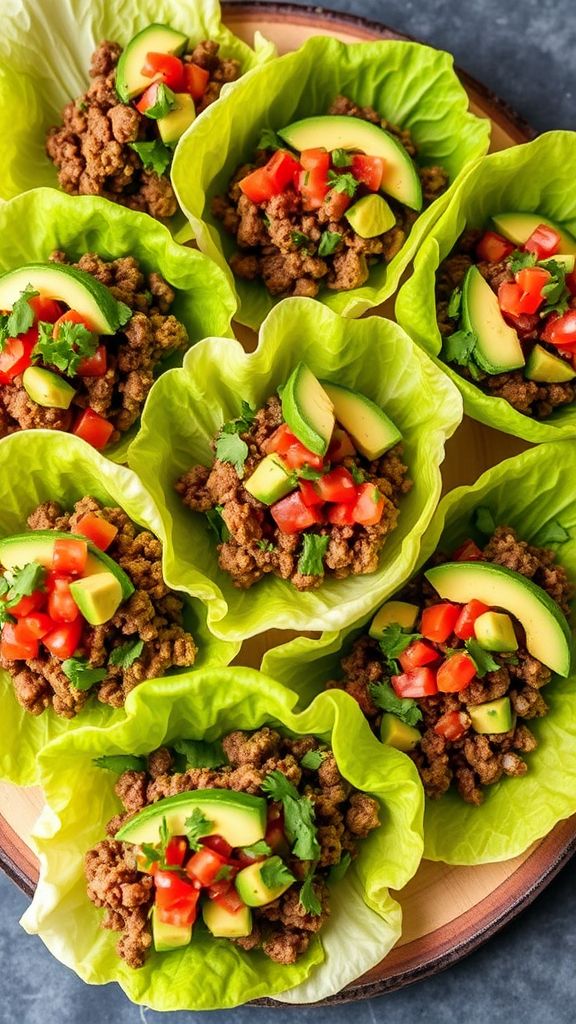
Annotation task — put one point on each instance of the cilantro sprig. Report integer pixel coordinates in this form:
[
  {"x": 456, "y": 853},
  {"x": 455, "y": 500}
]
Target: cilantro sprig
[
  {"x": 81, "y": 674},
  {"x": 21, "y": 582},
  {"x": 275, "y": 873},
  {"x": 345, "y": 183},
  {"x": 155, "y": 156},
  {"x": 311, "y": 560},
  {"x": 196, "y": 826},
  {"x": 308, "y": 898},
  {"x": 329, "y": 242},
  {"x": 393, "y": 643},
  {"x": 126, "y": 654},
  {"x": 120, "y": 763},
  {"x": 72, "y": 343},
  {"x": 201, "y": 753},
  {"x": 216, "y": 523},
  {"x": 298, "y": 815},
  {"x": 313, "y": 759},
  {"x": 404, "y": 708},
  {"x": 20, "y": 319},
  {"x": 230, "y": 447},
  {"x": 164, "y": 101},
  {"x": 482, "y": 659}
]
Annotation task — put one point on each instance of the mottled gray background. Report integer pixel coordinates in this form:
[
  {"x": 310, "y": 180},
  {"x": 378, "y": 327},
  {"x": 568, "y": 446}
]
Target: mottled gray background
[{"x": 526, "y": 53}]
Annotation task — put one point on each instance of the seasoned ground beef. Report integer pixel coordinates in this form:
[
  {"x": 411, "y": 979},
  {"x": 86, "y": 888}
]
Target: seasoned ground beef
[
  {"x": 153, "y": 615},
  {"x": 256, "y": 546},
  {"x": 92, "y": 148},
  {"x": 282, "y": 929},
  {"x": 279, "y": 240},
  {"x": 531, "y": 398},
  {"x": 150, "y": 335},
  {"x": 475, "y": 760}
]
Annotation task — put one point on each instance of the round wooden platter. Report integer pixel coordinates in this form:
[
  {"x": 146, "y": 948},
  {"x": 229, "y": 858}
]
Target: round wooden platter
[{"x": 447, "y": 911}]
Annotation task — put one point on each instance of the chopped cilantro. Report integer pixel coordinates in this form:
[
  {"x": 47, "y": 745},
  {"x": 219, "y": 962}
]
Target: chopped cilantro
[
  {"x": 164, "y": 102},
  {"x": 195, "y": 827},
  {"x": 313, "y": 759},
  {"x": 300, "y": 239},
  {"x": 265, "y": 545},
  {"x": 81, "y": 675},
  {"x": 454, "y": 303},
  {"x": 5, "y": 615},
  {"x": 224, "y": 873},
  {"x": 310, "y": 562},
  {"x": 307, "y": 473},
  {"x": 308, "y": 898},
  {"x": 81, "y": 105},
  {"x": 125, "y": 655},
  {"x": 483, "y": 520},
  {"x": 298, "y": 815},
  {"x": 357, "y": 474},
  {"x": 258, "y": 849},
  {"x": 339, "y": 870},
  {"x": 404, "y": 708},
  {"x": 274, "y": 873},
  {"x": 217, "y": 524},
  {"x": 341, "y": 158},
  {"x": 21, "y": 318},
  {"x": 201, "y": 753},
  {"x": 329, "y": 242},
  {"x": 552, "y": 533},
  {"x": 120, "y": 763},
  {"x": 555, "y": 292},
  {"x": 154, "y": 155},
  {"x": 72, "y": 344},
  {"x": 482, "y": 659},
  {"x": 231, "y": 448},
  {"x": 269, "y": 140},
  {"x": 459, "y": 347},
  {"x": 345, "y": 183},
  {"x": 520, "y": 259},
  {"x": 394, "y": 641},
  {"x": 23, "y": 582},
  {"x": 242, "y": 423}
]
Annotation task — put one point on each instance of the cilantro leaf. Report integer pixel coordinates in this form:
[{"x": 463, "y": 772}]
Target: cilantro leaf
[
  {"x": 454, "y": 303},
  {"x": 242, "y": 423},
  {"x": 341, "y": 158},
  {"x": 269, "y": 140},
  {"x": 195, "y": 827},
  {"x": 81, "y": 675},
  {"x": 201, "y": 753},
  {"x": 394, "y": 640},
  {"x": 337, "y": 871},
  {"x": 308, "y": 898},
  {"x": 217, "y": 524},
  {"x": 483, "y": 520},
  {"x": 404, "y": 708},
  {"x": 155, "y": 156},
  {"x": 300, "y": 239},
  {"x": 298, "y": 815},
  {"x": 224, "y": 873},
  {"x": 265, "y": 545},
  {"x": 164, "y": 835},
  {"x": 151, "y": 853},
  {"x": 329, "y": 242},
  {"x": 274, "y": 872},
  {"x": 4, "y": 614},
  {"x": 555, "y": 292},
  {"x": 21, "y": 318},
  {"x": 164, "y": 102},
  {"x": 482, "y": 659},
  {"x": 125, "y": 655},
  {"x": 72, "y": 344},
  {"x": 120, "y": 763},
  {"x": 310, "y": 562},
  {"x": 24, "y": 581},
  {"x": 258, "y": 849},
  {"x": 307, "y": 473},
  {"x": 231, "y": 448},
  {"x": 459, "y": 347},
  {"x": 313, "y": 759},
  {"x": 345, "y": 183},
  {"x": 520, "y": 259},
  {"x": 358, "y": 474},
  {"x": 552, "y": 533},
  {"x": 3, "y": 331}
]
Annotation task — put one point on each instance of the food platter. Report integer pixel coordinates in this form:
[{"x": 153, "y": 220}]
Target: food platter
[{"x": 448, "y": 911}]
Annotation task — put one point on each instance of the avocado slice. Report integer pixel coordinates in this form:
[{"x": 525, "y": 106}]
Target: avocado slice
[
  {"x": 77, "y": 289},
  {"x": 238, "y": 817},
  {"x": 492, "y": 717},
  {"x": 544, "y": 366},
  {"x": 518, "y": 226},
  {"x": 252, "y": 888},
  {"x": 393, "y": 613},
  {"x": 370, "y": 428},
  {"x": 38, "y": 546},
  {"x": 271, "y": 480},
  {"x": 400, "y": 179},
  {"x": 98, "y": 597},
  {"x": 46, "y": 388},
  {"x": 227, "y": 924},
  {"x": 548, "y": 636},
  {"x": 307, "y": 410},
  {"x": 494, "y": 631},
  {"x": 153, "y": 39},
  {"x": 174, "y": 124},
  {"x": 169, "y": 936},
  {"x": 396, "y": 733},
  {"x": 498, "y": 348},
  {"x": 370, "y": 216}
]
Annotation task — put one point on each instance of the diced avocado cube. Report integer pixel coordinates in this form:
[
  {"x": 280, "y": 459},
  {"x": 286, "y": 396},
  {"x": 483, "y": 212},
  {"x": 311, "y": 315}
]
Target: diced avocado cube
[
  {"x": 393, "y": 613},
  {"x": 252, "y": 888},
  {"x": 227, "y": 924},
  {"x": 173, "y": 125},
  {"x": 544, "y": 366},
  {"x": 494, "y": 631},
  {"x": 271, "y": 480},
  {"x": 371, "y": 216},
  {"x": 395, "y": 733},
  {"x": 308, "y": 410},
  {"x": 98, "y": 597},
  {"x": 169, "y": 936},
  {"x": 46, "y": 388},
  {"x": 492, "y": 717}
]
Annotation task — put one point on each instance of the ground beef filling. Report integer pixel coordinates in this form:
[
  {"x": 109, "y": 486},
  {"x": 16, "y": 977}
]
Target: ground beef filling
[
  {"x": 91, "y": 149},
  {"x": 267, "y": 234},
  {"x": 151, "y": 334},
  {"x": 282, "y": 929},
  {"x": 153, "y": 614},
  {"x": 256, "y": 546},
  {"x": 532, "y": 398},
  {"x": 475, "y": 761}
]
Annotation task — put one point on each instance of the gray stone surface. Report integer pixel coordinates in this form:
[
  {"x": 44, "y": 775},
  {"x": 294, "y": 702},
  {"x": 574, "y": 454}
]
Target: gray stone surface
[{"x": 524, "y": 52}]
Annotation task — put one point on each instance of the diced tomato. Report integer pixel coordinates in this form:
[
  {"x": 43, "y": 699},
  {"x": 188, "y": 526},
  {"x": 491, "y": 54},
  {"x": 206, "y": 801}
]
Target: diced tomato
[
  {"x": 205, "y": 865},
  {"x": 96, "y": 529},
  {"x": 93, "y": 429},
  {"x": 341, "y": 515},
  {"x": 571, "y": 282},
  {"x": 493, "y": 247},
  {"x": 417, "y": 654},
  {"x": 176, "y": 850},
  {"x": 467, "y": 552},
  {"x": 455, "y": 673},
  {"x": 16, "y": 356},
  {"x": 452, "y": 725},
  {"x": 313, "y": 181},
  {"x": 532, "y": 280},
  {"x": 61, "y": 605},
  {"x": 309, "y": 494},
  {"x": 510, "y": 298},
  {"x": 47, "y": 310},
  {"x": 438, "y": 621},
  {"x": 294, "y": 453},
  {"x": 14, "y": 647},
  {"x": 218, "y": 844},
  {"x": 369, "y": 170},
  {"x": 165, "y": 67},
  {"x": 195, "y": 80},
  {"x": 272, "y": 179},
  {"x": 369, "y": 505},
  {"x": 63, "y": 641},
  {"x": 256, "y": 186},
  {"x": 230, "y": 901},
  {"x": 171, "y": 888},
  {"x": 464, "y": 628},
  {"x": 148, "y": 98},
  {"x": 71, "y": 317},
  {"x": 337, "y": 486},
  {"x": 34, "y": 626},
  {"x": 561, "y": 330},
  {"x": 291, "y": 515},
  {"x": 544, "y": 241},
  {"x": 52, "y": 580},
  {"x": 181, "y": 913},
  {"x": 94, "y": 366},
  {"x": 315, "y": 159},
  {"x": 419, "y": 682},
  {"x": 30, "y": 603},
  {"x": 340, "y": 446},
  {"x": 69, "y": 556}
]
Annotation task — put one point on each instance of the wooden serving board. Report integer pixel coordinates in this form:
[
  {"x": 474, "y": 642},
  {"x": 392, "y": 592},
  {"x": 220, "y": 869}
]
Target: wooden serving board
[{"x": 448, "y": 911}]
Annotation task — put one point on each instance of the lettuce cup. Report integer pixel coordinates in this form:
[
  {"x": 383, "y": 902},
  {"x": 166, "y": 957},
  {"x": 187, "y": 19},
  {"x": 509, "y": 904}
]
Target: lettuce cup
[
  {"x": 474, "y": 683},
  {"x": 492, "y": 296},
  {"x": 224, "y": 538},
  {"x": 105, "y": 119},
  {"x": 86, "y": 614},
  {"x": 382, "y": 128},
  {"x": 192, "y": 715},
  {"x": 98, "y": 302}
]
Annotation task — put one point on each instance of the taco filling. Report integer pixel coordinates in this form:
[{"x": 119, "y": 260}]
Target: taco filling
[
  {"x": 247, "y": 834},
  {"x": 324, "y": 199},
  {"x": 309, "y": 486},
  {"x": 506, "y": 307},
  {"x": 453, "y": 671},
  {"x": 85, "y": 610}
]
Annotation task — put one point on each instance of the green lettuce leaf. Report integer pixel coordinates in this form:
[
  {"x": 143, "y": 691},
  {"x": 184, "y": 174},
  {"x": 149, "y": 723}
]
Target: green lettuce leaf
[
  {"x": 35, "y": 86},
  {"x": 527, "y": 492},
  {"x": 204, "y": 302},
  {"x": 62, "y": 468},
  {"x": 536, "y": 177},
  {"x": 365, "y": 921},
  {"x": 412, "y": 85},
  {"x": 372, "y": 356}
]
